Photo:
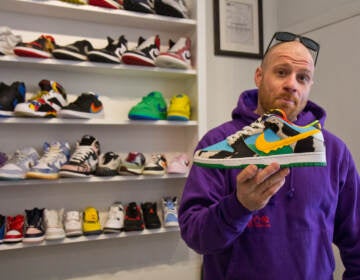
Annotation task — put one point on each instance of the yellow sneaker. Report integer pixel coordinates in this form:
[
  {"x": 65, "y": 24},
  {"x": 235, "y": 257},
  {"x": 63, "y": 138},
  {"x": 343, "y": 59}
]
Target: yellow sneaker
[
  {"x": 180, "y": 108},
  {"x": 91, "y": 222}
]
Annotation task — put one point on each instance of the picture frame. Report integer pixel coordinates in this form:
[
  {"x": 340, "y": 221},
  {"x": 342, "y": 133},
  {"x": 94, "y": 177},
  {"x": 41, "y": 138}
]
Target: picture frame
[{"x": 238, "y": 28}]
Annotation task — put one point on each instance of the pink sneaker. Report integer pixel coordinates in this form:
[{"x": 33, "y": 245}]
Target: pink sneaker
[{"x": 179, "y": 164}]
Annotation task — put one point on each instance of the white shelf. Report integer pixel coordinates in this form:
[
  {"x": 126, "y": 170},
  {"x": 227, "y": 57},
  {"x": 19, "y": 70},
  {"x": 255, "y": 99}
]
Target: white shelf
[
  {"x": 88, "y": 13},
  {"x": 91, "y": 179},
  {"x": 93, "y": 67},
  {"x": 6, "y": 247}
]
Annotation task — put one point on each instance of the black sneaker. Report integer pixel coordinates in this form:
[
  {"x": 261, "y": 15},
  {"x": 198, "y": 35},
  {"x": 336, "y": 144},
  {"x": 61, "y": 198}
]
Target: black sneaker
[
  {"x": 133, "y": 219},
  {"x": 2, "y": 228},
  {"x": 75, "y": 51},
  {"x": 112, "y": 53},
  {"x": 145, "y": 52},
  {"x": 151, "y": 217},
  {"x": 171, "y": 8},
  {"x": 142, "y": 6},
  {"x": 86, "y": 106},
  {"x": 10, "y": 96},
  {"x": 34, "y": 227}
]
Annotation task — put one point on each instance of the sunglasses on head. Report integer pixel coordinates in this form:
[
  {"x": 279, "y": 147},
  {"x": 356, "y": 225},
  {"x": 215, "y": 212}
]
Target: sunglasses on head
[{"x": 310, "y": 44}]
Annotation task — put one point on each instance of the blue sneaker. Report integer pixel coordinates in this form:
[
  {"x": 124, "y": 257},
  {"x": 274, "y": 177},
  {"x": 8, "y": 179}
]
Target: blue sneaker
[
  {"x": 170, "y": 212},
  {"x": 56, "y": 154},
  {"x": 2, "y": 228},
  {"x": 20, "y": 163}
]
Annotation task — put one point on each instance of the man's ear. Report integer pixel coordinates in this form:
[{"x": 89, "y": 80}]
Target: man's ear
[{"x": 258, "y": 76}]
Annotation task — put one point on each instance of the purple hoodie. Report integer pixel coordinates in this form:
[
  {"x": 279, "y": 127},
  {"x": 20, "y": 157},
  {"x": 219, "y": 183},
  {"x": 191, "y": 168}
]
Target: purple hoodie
[{"x": 291, "y": 237}]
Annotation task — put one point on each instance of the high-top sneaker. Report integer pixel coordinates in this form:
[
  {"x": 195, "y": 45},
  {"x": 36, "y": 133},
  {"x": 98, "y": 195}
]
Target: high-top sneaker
[
  {"x": 2, "y": 228},
  {"x": 112, "y": 53},
  {"x": 55, "y": 155},
  {"x": 172, "y": 8},
  {"x": 133, "y": 218},
  {"x": 178, "y": 56},
  {"x": 75, "y": 51},
  {"x": 8, "y": 40},
  {"x": 54, "y": 224},
  {"x": 170, "y": 212},
  {"x": 115, "y": 220},
  {"x": 150, "y": 214},
  {"x": 10, "y": 96},
  {"x": 34, "y": 226},
  {"x": 40, "y": 48},
  {"x": 84, "y": 160},
  {"x": 271, "y": 138},
  {"x": 73, "y": 224},
  {"x": 141, "y": 6},
  {"x": 46, "y": 104},
  {"x": 144, "y": 53},
  {"x": 19, "y": 164},
  {"x": 111, "y": 4},
  {"x": 14, "y": 229}
]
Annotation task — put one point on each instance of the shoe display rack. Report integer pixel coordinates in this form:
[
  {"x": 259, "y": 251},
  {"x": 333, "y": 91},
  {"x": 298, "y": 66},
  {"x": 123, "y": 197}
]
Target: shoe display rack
[{"x": 118, "y": 86}]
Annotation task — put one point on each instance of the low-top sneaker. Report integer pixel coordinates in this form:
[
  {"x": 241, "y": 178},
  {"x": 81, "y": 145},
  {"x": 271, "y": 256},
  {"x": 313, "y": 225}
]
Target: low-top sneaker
[
  {"x": 19, "y": 164},
  {"x": 14, "y": 228},
  {"x": 84, "y": 160},
  {"x": 172, "y": 8},
  {"x": 112, "y": 53},
  {"x": 151, "y": 107},
  {"x": 156, "y": 166},
  {"x": 73, "y": 224},
  {"x": 145, "y": 53},
  {"x": 10, "y": 96},
  {"x": 75, "y": 51},
  {"x": 55, "y": 155},
  {"x": 179, "y": 164},
  {"x": 133, "y": 164},
  {"x": 54, "y": 228},
  {"x": 115, "y": 219},
  {"x": 108, "y": 164},
  {"x": 34, "y": 225},
  {"x": 179, "y": 108},
  {"x": 141, "y": 6}
]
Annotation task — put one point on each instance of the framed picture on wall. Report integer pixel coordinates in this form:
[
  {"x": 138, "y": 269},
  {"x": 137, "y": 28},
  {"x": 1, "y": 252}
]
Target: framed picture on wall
[{"x": 238, "y": 28}]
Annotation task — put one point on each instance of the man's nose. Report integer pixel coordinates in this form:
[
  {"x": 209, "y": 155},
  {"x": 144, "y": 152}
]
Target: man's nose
[{"x": 291, "y": 83}]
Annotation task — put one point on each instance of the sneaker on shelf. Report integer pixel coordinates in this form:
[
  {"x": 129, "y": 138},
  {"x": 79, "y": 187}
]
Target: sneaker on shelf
[
  {"x": 112, "y": 53},
  {"x": 46, "y": 104},
  {"x": 72, "y": 224},
  {"x": 156, "y": 166},
  {"x": 78, "y": 2},
  {"x": 141, "y": 6},
  {"x": 133, "y": 164},
  {"x": 40, "y": 48},
  {"x": 19, "y": 164},
  {"x": 3, "y": 159},
  {"x": 151, "y": 217},
  {"x": 34, "y": 226},
  {"x": 8, "y": 40},
  {"x": 172, "y": 8},
  {"x": 86, "y": 106},
  {"x": 179, "y": 108},
  {"x": 177, "y": 56},
  {"x": 152, "y": 107},
  {"x": 83, "y": 161},
  {"x": 145, "y": 53},
  {"x": 75, "y": 51},
  {"x": 14, "y": 229},
  {"x": 2, "y": 228},
  {"x": 179, "y": 164},
  {"x": 133, "y": 218},
  {"x": 111, "y": 4},
  {"x": 10, "y": 96},
  {"x": 108, "y": 164},
  {"x": 115, "y": 219},
  {"x": 170, "y": 211},
  {"x": 55, "y": 155},
  {"x": 271, "y": 138},
  {"x": 91, "y": 222},
  {"x": 54, "y": 228}
]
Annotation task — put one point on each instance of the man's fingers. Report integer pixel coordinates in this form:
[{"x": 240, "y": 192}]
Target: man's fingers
[{"x": 248, "y": 173}]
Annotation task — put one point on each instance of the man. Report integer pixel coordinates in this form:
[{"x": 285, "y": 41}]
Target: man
[{"x": 275, "y": 223}]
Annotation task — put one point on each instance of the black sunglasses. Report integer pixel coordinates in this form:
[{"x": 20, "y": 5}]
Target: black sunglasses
[{"x": 310, "y": 44}]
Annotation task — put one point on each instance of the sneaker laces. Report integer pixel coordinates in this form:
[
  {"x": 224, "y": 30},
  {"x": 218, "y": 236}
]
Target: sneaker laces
[
  {"x": 50, "y": 154},
  {"x": 81, "y": 154},
  {"x": 256, "y": 127},
  {"x": 170, "y": 207},
  {"x": 18, "y": 157},
  {"x": 91, "y": 217}
]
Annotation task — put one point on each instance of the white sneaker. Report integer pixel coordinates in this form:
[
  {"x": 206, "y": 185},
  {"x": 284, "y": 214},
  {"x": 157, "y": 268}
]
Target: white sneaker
[
  {"x": 72, "y": 223},
  {"x": 115, "y": 221},
  {"x": 54, "y": 224},
  {"x": 8, "y": 40},
  {"x": 170, "y": 212}
]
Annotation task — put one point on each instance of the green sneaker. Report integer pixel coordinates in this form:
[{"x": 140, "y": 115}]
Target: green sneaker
[{"x": 151, "y": 107}]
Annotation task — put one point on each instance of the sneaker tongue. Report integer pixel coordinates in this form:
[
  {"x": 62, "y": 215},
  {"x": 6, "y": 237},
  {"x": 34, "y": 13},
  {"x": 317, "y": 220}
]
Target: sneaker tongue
[
  {"x": 280, "y": 113},
  {"x": 87, "y": 140}
]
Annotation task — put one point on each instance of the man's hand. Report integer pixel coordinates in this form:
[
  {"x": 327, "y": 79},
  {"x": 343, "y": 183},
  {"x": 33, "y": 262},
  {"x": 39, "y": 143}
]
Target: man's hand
[{"x": 256, "y": 186}]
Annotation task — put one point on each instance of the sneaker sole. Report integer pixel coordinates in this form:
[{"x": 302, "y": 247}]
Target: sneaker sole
[
  {"x": 30, "y": 52},
  {"x": 69, "y": 174},
  {"x": 139, "y": 60},
  {"x": 171, "y": 224},
  {"x": 38, "y": 175},
  {"x": 65, "y": 54},
  {"x": 153, "y": 172},
  {"x": 126, "y": 171},
  {"x": 105, "y": 4},
  {"x": 291, "y": 160},
  {"x": 70, "y": 114},
  {"x": 168, "y": 61},
  {"x": 98, "y": 56}
]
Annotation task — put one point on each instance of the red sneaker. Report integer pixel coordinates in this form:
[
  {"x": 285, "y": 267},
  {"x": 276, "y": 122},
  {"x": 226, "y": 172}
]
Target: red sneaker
[
  {"x": 111, "y": 4},
  {"x": 14, "y": 229},
  {"x": 40, "y": 48}
]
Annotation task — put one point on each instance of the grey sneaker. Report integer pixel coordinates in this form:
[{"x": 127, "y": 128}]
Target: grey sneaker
[
  {"x": 19, "y": 164},
  {"x": 8, "y": 40}
]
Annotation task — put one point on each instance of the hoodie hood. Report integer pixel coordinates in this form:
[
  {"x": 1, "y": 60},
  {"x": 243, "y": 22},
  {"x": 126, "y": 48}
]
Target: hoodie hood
[{"x": 247, "y": 104}]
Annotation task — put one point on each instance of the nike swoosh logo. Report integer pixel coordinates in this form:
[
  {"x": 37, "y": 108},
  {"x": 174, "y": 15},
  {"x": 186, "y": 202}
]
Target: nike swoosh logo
[
  {"x": 94, "y": 108},
  {"x": 265, "y": 146},
  {"x": 161, "y": 109}
]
